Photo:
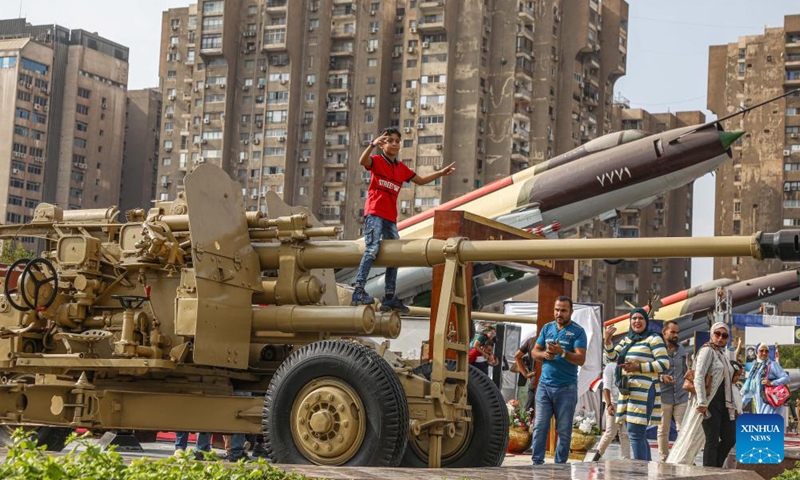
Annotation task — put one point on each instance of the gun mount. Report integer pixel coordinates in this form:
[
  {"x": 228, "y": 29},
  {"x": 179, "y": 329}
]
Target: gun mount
[{"x": 199, "y": 316}]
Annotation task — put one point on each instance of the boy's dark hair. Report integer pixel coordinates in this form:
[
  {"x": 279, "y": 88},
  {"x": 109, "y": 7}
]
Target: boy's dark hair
[{"x": 392, "y": 131}]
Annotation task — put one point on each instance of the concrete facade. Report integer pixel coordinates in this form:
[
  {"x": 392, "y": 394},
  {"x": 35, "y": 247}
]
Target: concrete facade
[
  {"x": 760, "y": 188},
  {"x": 62, "y": 118},
  {"x": 140, "y": 159},
  {"x": 284, "y": 95}
]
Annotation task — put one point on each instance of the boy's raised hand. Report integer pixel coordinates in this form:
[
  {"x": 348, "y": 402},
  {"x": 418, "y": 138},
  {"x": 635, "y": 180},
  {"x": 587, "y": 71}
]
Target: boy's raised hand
[{"x": 448, "y": 169}]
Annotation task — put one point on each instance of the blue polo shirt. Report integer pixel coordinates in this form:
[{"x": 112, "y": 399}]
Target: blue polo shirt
[{"x": 560, "y": 372}]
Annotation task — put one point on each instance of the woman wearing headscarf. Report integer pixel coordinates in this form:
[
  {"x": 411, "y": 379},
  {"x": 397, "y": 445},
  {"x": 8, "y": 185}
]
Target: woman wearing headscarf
[
  {"x": 710, "y": 421},
  {"x": 764, "y": 373},
  {"x": 640, "y": 357}
]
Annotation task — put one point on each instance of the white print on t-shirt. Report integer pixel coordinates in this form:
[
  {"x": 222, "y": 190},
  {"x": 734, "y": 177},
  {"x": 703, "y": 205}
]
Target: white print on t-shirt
[{"x": 384, "y": 183}]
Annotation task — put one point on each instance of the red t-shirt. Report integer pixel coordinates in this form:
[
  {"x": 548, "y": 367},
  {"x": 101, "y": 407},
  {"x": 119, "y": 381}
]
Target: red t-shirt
[{"x": 387, "y": 179}]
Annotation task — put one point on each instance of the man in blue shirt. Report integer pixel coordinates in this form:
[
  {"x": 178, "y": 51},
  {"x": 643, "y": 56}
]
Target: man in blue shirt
[{"x": 561, "y": 347}]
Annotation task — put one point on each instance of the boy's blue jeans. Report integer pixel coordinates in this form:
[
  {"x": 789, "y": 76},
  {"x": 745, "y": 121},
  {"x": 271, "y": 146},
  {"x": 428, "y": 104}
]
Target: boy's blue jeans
[
  {"x": 559, "y": 401},
  {"x": 375, "y": 230}
]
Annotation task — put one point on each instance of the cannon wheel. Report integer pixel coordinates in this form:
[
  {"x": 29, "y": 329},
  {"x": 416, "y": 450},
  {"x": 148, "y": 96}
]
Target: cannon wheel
[
  {"x": 481, "y": 443},
  {"x": 335, "y": 402}
]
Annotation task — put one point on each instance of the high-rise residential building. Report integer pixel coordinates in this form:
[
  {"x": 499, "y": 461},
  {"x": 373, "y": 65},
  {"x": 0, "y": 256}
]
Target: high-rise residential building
[
  {"x": 760, "y": 189},
  {"x": 66, "y": 90},
  {"x": 142, "y": 146},
  {"x": 667, "y": 215},
  {"x": 284, "y": 95}
]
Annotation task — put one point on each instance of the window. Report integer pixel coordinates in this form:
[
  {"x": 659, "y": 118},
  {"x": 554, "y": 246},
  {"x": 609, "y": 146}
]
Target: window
[
  {"x": 81, "y": 126},
  {"x": 8, "y": 62},
  {"x": 82, "y": 109},
  {"x": 215, "y": 6},
  {"x": 22, "y": 113},
  {"x": 372, "y": 62},
  {"x": 211, "y": 41},
  {"x": 369, "y": 101},
  {"x": 33, "y": 66},
  {"x": 212, "y": 23},
  {"x": 34, "y": 169},
  {"x": 39, "y": 118},
  {"x": 33, "y": 186},
  {"x": 14, "y": 200},
  {"x": 21, "y": 131},
  {"x": 24, "y": 96},
  {"x": 84, "y": 93},
  {"x": 276, "y": 116},
  {"x": 80, "y": 142}
]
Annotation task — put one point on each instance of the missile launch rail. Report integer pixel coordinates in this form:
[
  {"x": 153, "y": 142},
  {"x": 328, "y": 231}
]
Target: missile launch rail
[{"x": 198, "y": 316}]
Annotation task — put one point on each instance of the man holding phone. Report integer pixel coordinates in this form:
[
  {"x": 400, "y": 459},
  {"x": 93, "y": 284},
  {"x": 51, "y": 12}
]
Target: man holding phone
[{"x": 561, "y": 347}]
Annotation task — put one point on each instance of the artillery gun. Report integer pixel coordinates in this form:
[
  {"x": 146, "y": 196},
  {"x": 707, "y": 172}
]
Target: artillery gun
[{"x": 199, "y": 316}]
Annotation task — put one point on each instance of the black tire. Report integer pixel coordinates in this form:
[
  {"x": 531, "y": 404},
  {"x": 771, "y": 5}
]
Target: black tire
[
  {"x": 355, "y": 367},
  {"x": 54, "y": 439},
  {"x": 487, "y": 439}
]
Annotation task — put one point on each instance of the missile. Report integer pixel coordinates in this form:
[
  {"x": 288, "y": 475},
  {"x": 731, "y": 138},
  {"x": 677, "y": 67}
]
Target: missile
[
  {"x": 690, "y": 308},
  {"x": 609, "y": 173}
]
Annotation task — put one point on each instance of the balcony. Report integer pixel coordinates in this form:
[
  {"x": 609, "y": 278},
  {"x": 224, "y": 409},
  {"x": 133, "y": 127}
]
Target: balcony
[
  {"x": 334, "y": 163},
  {"x": 342, "y": 50},
  {"x": 276, "y": 5},
  {"x": 338, "y": 105},
  {"x": 521, "y": 93},
  {"x": 431, "y": 25},
  {"x": 274, "y": 40},
  {"x": 341, "y": 67},
  {"x": 428, "y": 7},
  {"x": 335, "y": 181},
  {"x": 793, "y": 60},
  {"x": 792, "y": 78},
  {"x": 344, "y": 11},
  {"x": 343, "y": 33},
  {"x": 521, "y": 134},
  {"x": 339, "y": 84},
  {"x": 526, "y": 14},
  {"x": 793, "y": 44}
]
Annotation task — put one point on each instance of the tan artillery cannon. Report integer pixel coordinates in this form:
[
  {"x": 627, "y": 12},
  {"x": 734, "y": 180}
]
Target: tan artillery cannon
[{"x": 199, "y": 316}]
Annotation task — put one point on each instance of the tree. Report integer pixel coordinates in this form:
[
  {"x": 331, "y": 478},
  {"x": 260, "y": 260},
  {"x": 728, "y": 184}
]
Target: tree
[{"x": 13, "y": 251}]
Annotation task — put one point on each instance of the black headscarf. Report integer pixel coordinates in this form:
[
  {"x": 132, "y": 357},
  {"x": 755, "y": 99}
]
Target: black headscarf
[{"x": 637, "y": 337}]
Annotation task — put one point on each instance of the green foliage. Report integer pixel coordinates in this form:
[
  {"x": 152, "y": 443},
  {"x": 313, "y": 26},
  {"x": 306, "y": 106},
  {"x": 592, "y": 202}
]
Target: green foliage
[
  {"x": 793, "y": 474},
  {"x": 13, "y": 251},
  {"x": 26, "y": 461}
]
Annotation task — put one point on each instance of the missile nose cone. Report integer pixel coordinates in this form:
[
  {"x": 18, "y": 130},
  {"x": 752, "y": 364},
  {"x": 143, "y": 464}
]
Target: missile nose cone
[{"x": 727, "y": 138}]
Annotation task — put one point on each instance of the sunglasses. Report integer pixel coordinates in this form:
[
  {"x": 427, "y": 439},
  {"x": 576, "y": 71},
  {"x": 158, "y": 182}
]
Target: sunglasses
[{"x": 721, "y": 334}]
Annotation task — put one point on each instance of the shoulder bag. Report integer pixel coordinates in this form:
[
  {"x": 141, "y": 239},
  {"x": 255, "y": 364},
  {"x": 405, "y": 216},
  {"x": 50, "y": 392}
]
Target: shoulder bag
[{"x": 775, "y": 395}]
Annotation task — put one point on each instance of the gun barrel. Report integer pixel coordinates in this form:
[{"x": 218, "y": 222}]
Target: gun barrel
[
  {"x": 358, "y": 320},
  {"x": 783, "y": 245}
]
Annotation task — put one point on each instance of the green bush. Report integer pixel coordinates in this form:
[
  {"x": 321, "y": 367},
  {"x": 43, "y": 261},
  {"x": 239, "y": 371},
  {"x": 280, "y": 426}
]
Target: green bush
[
  {"x": 27, "y": 461},
  {"x": 793, "y": 474}
]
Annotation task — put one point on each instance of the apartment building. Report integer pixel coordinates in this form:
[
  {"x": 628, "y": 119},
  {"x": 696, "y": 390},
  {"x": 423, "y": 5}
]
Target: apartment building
[
  {"x": 760, "y": 188},
  {"x": 26, "y": 74},
  {"x": 285, "y": 95},
  {"x": 668, "y": 215},
  {"x": 141, "y": 152},
  {"x": 66, "y": 90}
]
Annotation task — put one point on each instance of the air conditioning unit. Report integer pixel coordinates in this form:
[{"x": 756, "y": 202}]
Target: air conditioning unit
[
  {"x": 420, "y": 126},
  {"x": 424, "y": 106},
  {"x": 417, "y": 208},
  {"x": 14, "y": 170},
  {"x": 329, "y": 153},
  {"x": 172, "y": 97},
  {"x": 168, "y": 114},
  {"x": 398, "y": 18},
  {"x": 167, "y": 149},
  {"x": 263, "y": 68},
  {"x": 438, "y": 146},
  {"x": 372, "y": 13},
  {"x": 407, "y": 129},
  {"x": 370, "y": 49},
  {"x": 172, "y": 46},
  {"x": 165, "y": 183},
  {"x": 303, "y": 160},
  {"x": 200, "y": 160},
  {"x": 373, "y": 30},
  {"x": 103, "y": 106},
  {"x": 482, "y": 150},
  {"x": 309, "y": 83},
  {"x": 246, "y": 142},
  {"x": 396, "y": 110},
  {"x": 396, "y": 54},
  {"x": 410, "y": 49},
  {"x": 281, "y": 139},
  {"x": 245, "y": 87},
  {"x": 207, "y": 85},
  {"x": 259, "y": 124},
  {"x": 196, "y": 89},
  {"x": 426, "y": 44},
  {"x": 256, "y": 141},
  {"x": 197, "y": 142},
  {"x": 480, "y": 130},
  {"x": 175, "y": 26},
  {"x": 206, "y": 120},
  {"x": 485, "y": 109},
  {"x": 413, "y": 29},
  {"x": 311, "y": 28},
  {"x": 254, "y": 196},
  {"x": 787, "y": 153},
  {"x": 328, "y": 143},
  {"x": 221, "y": 86},
  {"x": 36, "y": 107},
  {"x": 404, "y": 210},
  {"x": 203, "y": 141},
  {"x": 793, "y": 135},
  {"x": 263, "y": 194},
  {"x": 46, "y": 108},
  {"x": 412, "y": 109}
]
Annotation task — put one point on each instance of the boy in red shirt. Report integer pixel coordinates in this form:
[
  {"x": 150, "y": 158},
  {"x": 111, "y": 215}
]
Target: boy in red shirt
[{"x": 380, "y": 209}]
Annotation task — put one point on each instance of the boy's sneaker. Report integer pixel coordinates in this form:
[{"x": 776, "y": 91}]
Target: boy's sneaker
[
  {"x": 361, "y": 297},
  {"x": 233, "y": 458},
  {"x": 393, "y": 303}
]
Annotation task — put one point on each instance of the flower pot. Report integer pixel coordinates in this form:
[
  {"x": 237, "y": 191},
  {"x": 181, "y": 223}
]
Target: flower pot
[
  {"x": 519, "y": 439},
  {"x": 581, "y": 442}
]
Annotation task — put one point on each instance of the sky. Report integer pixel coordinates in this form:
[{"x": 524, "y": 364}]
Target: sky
[{"x": 667, "y": 54}]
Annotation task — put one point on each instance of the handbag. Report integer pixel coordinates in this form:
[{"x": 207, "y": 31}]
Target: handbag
[
  {"x": 622, "y": 382},
  {"x": 688, "y": 381},
  {"x": 775, "y": 395}
]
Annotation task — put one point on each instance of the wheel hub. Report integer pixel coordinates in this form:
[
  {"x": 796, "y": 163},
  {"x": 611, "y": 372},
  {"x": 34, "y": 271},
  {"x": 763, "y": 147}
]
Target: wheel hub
[{"x": 328, "y": 421}]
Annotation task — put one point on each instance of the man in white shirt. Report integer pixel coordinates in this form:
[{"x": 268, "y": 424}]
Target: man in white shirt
[{"x": 610, "y": 396}]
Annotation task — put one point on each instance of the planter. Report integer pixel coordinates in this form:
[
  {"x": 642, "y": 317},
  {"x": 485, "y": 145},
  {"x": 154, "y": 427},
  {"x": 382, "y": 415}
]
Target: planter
[
  {"x": 581, "y": 442},
  {"x": 519, "y": 439}
]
